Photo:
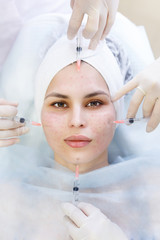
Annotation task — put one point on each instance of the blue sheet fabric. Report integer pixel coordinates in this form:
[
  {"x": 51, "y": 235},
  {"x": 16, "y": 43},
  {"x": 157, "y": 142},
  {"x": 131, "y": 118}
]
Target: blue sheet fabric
[{"x": 32, "y": 191}]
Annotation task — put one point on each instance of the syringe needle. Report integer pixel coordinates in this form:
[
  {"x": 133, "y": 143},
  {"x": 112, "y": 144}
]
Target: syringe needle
[
  {"x": 129, "y": 121},
  {"x": 21, "y": 120},
  {"x": 77, "y": 172},
  {"x": 76, "y": 186},
  {"x": 79, "y": 48}
]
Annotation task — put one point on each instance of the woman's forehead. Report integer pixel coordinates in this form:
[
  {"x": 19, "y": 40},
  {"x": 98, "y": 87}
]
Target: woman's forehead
[{"x": 69, "y": 79}]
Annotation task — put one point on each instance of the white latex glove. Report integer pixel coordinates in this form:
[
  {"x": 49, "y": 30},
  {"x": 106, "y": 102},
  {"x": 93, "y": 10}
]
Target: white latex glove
[
  {"x": 87, "y": 222},
  {"x": 10, "y": 130},
  {"x": 149, "y": 82},
  {"x": 101, "y": 16}
]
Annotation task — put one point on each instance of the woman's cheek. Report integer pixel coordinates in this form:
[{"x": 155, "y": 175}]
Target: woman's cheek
[
  {"x": 51, "y": 119},
  {"x": 52, "y": 124},
  {"x": 104, "y": 128},
  {"x": 109, "y": 126},
  {"x": 103, "y": 120}
]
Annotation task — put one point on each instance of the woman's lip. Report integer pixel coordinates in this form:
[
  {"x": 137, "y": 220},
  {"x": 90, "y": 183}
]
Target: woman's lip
[
  {"x": 78, "y": 138},
  {"x": 78, "y": 141}
]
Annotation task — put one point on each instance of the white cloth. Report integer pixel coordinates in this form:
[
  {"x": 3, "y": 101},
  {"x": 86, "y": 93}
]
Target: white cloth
[
  {"x": 32, "y": 190},
  {"x": 15, "y": 13}
]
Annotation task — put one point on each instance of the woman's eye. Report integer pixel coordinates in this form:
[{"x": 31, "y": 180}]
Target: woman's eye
[
  {"x": 94, "y": 104},
  {"x": 59, "y": 105}
]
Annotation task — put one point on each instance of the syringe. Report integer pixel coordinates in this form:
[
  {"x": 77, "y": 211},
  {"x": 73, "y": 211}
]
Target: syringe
[
  {"x": 76, "y": 186},
  {"x": 21, "y": 120},
  {"x": 79, "y": 48},
  {"x": 129, "y": 121}
]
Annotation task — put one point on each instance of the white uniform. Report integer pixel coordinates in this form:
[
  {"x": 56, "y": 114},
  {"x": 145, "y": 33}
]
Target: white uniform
[{"x": 14, "y": 13}]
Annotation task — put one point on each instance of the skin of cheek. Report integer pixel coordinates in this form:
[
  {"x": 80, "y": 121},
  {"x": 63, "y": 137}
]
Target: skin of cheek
[
  {"x": 104, "y": 131},
  {"x": 53, "y": 127}
]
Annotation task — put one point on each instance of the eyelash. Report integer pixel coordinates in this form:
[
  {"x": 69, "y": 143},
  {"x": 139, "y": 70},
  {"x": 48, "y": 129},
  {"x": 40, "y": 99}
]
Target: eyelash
[
  {"x": 96, "y": 103},
  {"x": 93, "y": 104},
  {"x": 59, "y": 103}
]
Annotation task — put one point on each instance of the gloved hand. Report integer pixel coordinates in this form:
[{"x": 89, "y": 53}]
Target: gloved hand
[
  {"x": 9, "y": 128},
  {"x": 147, "y": 83},
  {"x": 101, "y": 15},
  {"x": 87, "y": 222}
]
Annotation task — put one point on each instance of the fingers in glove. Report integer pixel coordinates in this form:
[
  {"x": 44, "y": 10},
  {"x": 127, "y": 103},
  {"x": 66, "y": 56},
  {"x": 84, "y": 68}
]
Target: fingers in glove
[
  {"x": 13, "y": 133},
  {"x": 8, "y": 142},
  {"x": 107, "y": 28},
  {"x": 72, "y": 3},
  {"x": 72, "y": 228},
  {"x": 75, "y": 22},
  {"x": 8, "y": 111},
  {"x": 5, "y": 102},
  {"x": 95, "y": 40},
  {"x": 125, "y": 89},
  {"x": 87, "y": 208},
  {"x": 74, "y": 213},
  {"x": 135, "y": 102},
  {"x": 92, "y": 25},
  {"x": 112, "y": 9},
  {"x": 148, "y": 105},
  {"x": 155, "y": 117},
  {"x": 9, "y": 124}
]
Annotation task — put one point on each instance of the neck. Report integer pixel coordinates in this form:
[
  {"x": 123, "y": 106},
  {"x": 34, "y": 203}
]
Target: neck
[{"x": 85, "y": 167}]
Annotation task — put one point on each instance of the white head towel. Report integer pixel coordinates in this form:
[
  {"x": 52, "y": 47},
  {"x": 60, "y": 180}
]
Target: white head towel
[{"x": 63, "y": 53}]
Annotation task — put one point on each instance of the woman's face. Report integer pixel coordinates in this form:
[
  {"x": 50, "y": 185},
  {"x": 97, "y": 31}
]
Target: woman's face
[{"x": 77, "y": 117}]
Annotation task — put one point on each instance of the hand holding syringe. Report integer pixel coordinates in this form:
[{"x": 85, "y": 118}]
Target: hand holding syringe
[
  {"x": 11, "y": 126},
  {"x": 100, "y": 18},
  {"x": 147, "y": 95}
]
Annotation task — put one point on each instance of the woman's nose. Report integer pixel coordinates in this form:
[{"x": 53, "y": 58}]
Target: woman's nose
[{"x": 77, "y": 118}]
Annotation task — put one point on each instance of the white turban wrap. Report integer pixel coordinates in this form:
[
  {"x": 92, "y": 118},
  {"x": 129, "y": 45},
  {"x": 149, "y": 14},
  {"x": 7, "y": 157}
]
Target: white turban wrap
[{"x": 63, "y": 53}]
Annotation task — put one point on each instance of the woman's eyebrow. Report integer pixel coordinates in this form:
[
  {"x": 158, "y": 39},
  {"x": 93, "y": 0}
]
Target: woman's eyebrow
[
  {"x": 97, "y": 93},
  {"x": 54, "y": 94},
  {"x": 59, "y": 95}
]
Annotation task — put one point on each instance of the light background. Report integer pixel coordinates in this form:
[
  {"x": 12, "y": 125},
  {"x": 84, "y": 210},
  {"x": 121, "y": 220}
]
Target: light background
[{"x": 146, "y": 13}]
